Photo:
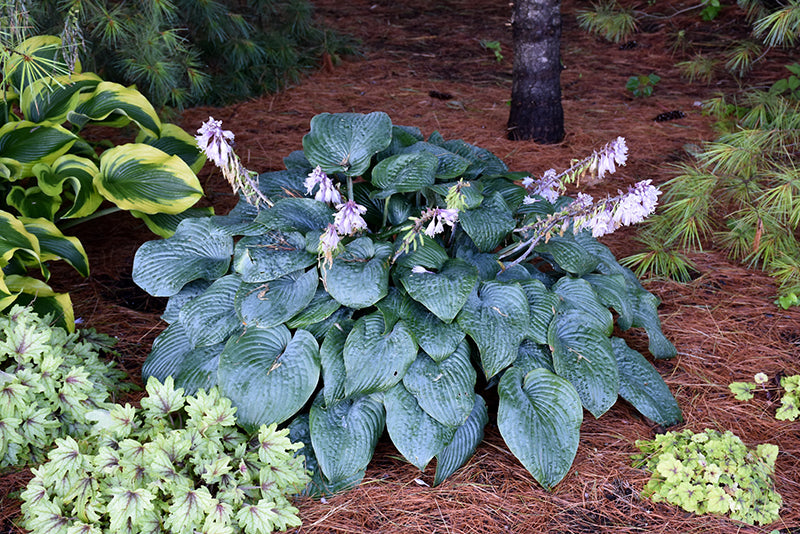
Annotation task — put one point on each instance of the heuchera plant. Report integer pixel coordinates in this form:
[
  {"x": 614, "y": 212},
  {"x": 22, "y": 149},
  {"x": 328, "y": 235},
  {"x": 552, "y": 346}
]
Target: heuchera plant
[
  {"x": 418, "y": 268},
  {"x": 49, "y": 380},
  {"x": 712, "y": 473},
  {"x": 177, "y": 465},
  {"x": 789, "y": 410}
]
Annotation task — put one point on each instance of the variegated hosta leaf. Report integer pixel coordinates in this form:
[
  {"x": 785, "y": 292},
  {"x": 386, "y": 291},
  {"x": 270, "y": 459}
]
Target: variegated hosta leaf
[
  {"x": 344, "y": 434},
  {"x": 269, "y": 304},
  {"x": 176, "y": 141},
  {"x": 404, "y": 173},
  {"x": 540, "y": 417},
  {"x": 496, "y": 317},
  {"x": 143, "y": 178},
  {"x": 466, "y": 439},
  {"x": 29, "y": 61},
  {"x": 197, "y": 250},
  {"x": 273, "y": 254},
  {"x": 444, "y": 292},
  {"x": 582, "y": 354},
  {"x": 54, "y": 245},
  {"x": 211, "y": 317},
  {"x": 359, "y": 276},
  {"x": 110, "y": 97},
  {"x": 79, "y": 174},
  {"x": 31, "y": 202},
  {"x": 42, "y": 299},
  {"x": 445, "y": 390},
  {"x": 268, "y": 374},
  {"x": 51, "y": 99},
  {"x": 345, "y": 142},
  {"x": 165, "y": 224},
  {"x": 642, "y": 386},
  {"x": 374, "y": 359},
  {"x": 28, "y": 143},
  {"x": 13, "y": 237},
  {"x": 418, "y": 436}
]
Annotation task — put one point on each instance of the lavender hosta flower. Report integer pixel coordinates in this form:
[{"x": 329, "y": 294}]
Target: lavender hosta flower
[
  {"x": 215, "y": 143},
  {"x": 438, "y": 217},
  {"x": 549, "y": 187},
  {"x": 327, "y": 192},
  {"x": 348, "y": 220},
  {"x": 614, "y": 153},
  {"x": 639, "y": 202},
  {"x": 419, "y": 269},
  {"x": 328, "y": 243}
]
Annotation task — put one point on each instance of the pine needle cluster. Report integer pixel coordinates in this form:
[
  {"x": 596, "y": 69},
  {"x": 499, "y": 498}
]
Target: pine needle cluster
[{"x": 188, "y": 52}]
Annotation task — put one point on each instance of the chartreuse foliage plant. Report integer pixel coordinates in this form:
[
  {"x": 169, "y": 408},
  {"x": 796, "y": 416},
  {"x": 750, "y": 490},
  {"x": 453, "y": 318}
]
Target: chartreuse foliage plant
[
  {"x": 712, "y": 473},
  {"x": 179, "y": 464},
  {"x": 418, "y": 269},
  {"x": 789, "y": 410},
  {"x": 49, "y": 380},
  {"x": 51, "y": 177}
]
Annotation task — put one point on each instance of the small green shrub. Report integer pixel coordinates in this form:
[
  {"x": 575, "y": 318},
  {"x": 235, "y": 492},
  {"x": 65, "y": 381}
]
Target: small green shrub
[
  {"x": 641, "y": 85},
  {"x": 788, "y": 86},
  {"x": 789, "y": 410},
  {"x": 417, "y": 266},
  {"x": 176, "y": 465},
  {"x": 712, "y": 473},
  {"x": 608, "y": 20},
  {"x": 49, "y": 380}
]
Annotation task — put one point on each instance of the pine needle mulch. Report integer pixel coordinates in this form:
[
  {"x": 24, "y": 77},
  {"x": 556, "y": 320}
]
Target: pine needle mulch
[{"x": 424, "y": 65}]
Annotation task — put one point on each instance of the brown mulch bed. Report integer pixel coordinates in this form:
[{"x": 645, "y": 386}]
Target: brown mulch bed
[{"x": 423, "y": 64}]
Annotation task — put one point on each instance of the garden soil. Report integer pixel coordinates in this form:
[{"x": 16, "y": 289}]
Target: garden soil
[{"x": 423, "y": 63}]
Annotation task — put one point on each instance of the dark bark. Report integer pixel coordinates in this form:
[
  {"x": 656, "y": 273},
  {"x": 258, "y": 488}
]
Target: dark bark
[{"x": 536, "y": 111}]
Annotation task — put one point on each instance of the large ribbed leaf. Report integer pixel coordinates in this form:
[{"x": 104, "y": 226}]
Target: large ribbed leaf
[
  {"x": 176, "y": 302},
  {"x": 28, "y": 143},
  {"x": 210, "y": 318},
  {"x": 428, "y": 253},
  {"x": 14, "y": 237},
  {"x": 443, "y": 292},
  {"x": 543, "y": 305},
  {"x": 642, "y": 386},
  {"x": 578, "y": 293},
  {"x": 448, "y": 165},
  {"x": 143, "y": 178},
  {"x": 496, "y": 317},
  {"x": 110, "y": 97},
  {"x": 488, "y": 224},
  {"x": 466, "y": 439},
  {"x": 197, "y": 250},
  {"x": 269, "y": 304},
  {"x": 265, "y": 257},
  {"x": 359, "y": 276},
  {"x": 79, "y": 174},
  {"x": 445, "y": 390},
  {"x": 540, "y": 417},
  {"x": 346, "y": 142},
  {"x": 42, "y": 299},
  {"x": 320, "y": 308},
  {"x": 612, "y": 291},
  {"x": 168, "y": 352},
  {"x": 415, "y": 434},
  {"x": 51, "y": 99},
  {"x": 645, "y": 315},
  {"x": 332, "y": 358},
  {"x": 296, "y": 214},
  {"x": 176, "y": 141},
  {"x": 344, "y": 434},
  {"x": 55, "y": 245},
  {"x": 582, "y": 354},
  {"x": 376, "y": 360},
  {"x": 31, "y": 202},
  {"x": 434, "y": 336},
  {"x": 569, "y": 254},
  {"x": 165, "y": 224},
  {"x": 482, "y": 161},
  {"x": 268, "y": 374},
  {"x": 404, "y": 173}
]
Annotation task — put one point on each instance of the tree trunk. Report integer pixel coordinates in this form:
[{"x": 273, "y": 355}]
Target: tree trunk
[{"x": 536, "y": 111}]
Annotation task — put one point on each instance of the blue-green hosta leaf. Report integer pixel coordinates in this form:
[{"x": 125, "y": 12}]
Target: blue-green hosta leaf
[
  {"x": 578, "y": 293},
  {"x": 55, "y": 245},
  {"x": 320, "y": 308},
  {"x": 168, "y": 351},
  {"x": 165, "y": 224},
  {"x": 428, "y": 253},
  {"x": 268, "y": 374},
  {"x": 282, "y": 184},
  {"x": 543, "y": 305},
  {"x": 488, "y": 264},
  {"x": 540, "y": 417},
  {"x": 482, "y": 161},
  {"x": 496, "y": 317},
  {"x": 268, "y": 256},
  {"x": 297, "y": 161},
  {"x": 320, "y": 329},
  {"x": 582, "y": 354},
  {"x": 444, "y": 292},
  {"x": 32, "y": 202},
  {"x": 532, "y": 356},
  {"x": 344, "y": 434},
  {"x": 143, "y": 178},
  {"x": 188, "y": 292},
  {"x": 345, "y": 142},
  {"x": 210, "y": 318},
  {"x": 359, "y": 276},
  {"x": 50, "y": 99},
  {"x": 404, "y": 173},
  {"x": 642, "y": 386},
  {"x": 471, "y": 192},
  {"x": 110, "y": 97},
  {"x": 448, "y": 165},
  {"x": 466, "y": 439},
  {"x": 513, "y": 194},
  {"x": 176, "y": 141},
  {"x": 402, "y": 136},
  {"x": 445, "y": 390},
  {"x": 332, "y": 358},
  {"x": 489, "y": 223},
  {"x": 269, "y": 304},
  {"x": 417, "y": 435},
  {"x": 296, "y": 214},
  {"x": 645, "y": 315},
  {"x": 437, "y": 338},
  {"x": 394, "y": 306},
  {"x": 79, "y": 174},
  {"x": 568, "y": 254},
  {"x": 197, "y": 250},
  {"x": 612, "y": 291},
  {"x": 198, "y": 369},
  {"x": 376, "y": 360},
  {"x": 27, "y": 143}
]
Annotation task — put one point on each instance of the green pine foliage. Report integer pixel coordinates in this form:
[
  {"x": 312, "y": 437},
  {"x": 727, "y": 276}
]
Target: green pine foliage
[
  {"x": 178, "y": 464},
  {"x": 189, "y": 52},
  {"x": 50, "y": 380}
]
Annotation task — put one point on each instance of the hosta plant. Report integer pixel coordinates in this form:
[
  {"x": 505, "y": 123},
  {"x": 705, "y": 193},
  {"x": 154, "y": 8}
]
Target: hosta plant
[
  {"x": 52, "y": 178},
  {"x": 379, "y": 278},
  {"x": 178, "y": 465},
  {"x": 712, "y": 472},
  {"x": 49, "y": 380}
]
